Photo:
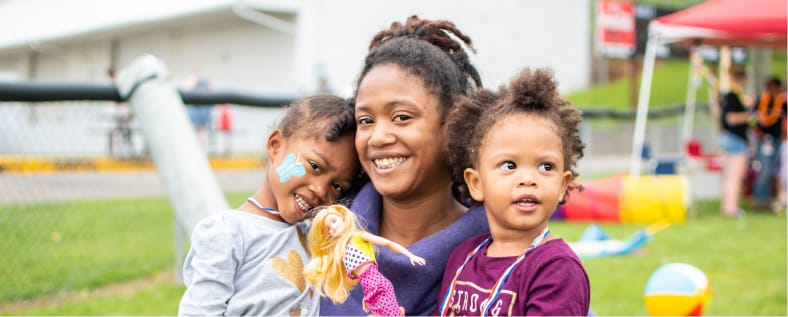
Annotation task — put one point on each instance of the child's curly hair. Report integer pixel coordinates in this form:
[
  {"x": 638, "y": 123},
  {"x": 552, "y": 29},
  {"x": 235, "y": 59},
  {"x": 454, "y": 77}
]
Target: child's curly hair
[{"x": 532, "y": 92}]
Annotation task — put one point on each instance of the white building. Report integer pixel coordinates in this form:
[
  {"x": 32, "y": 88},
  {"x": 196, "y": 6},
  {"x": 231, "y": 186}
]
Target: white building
[{"x": 275, "y": 47}]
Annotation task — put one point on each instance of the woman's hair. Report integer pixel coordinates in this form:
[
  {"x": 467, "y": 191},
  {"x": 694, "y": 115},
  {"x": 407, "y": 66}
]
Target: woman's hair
[
  {"x": 431, "y": 50},
  {"x": 324, "y": 114},
  {"x": 532, "y": 92},
  {"x": 326, "y": 270}
]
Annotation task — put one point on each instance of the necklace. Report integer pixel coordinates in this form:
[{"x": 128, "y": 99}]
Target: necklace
[
  {"x": 446, "y": 303},
  {"x": 258, "y": 205},
  {"x": 769, "y": 108}
]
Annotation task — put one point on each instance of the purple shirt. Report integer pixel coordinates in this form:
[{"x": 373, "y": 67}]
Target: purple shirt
[
  {"x": 550, "y": 280},
  {"x": 415, "y": 286}
]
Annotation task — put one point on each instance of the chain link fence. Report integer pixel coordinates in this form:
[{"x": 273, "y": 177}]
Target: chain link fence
[{"x": 76, "y": 224}]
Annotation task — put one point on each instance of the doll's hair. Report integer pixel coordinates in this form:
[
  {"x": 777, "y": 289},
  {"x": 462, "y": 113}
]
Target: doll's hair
[
  {"x": 323, "y": 115},
  {"x": 531, "y": 92},
  {"x": 326, "y": 270}
]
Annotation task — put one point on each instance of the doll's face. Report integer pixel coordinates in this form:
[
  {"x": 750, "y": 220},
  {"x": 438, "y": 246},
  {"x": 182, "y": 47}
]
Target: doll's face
[{"x": 334, "y": 223}]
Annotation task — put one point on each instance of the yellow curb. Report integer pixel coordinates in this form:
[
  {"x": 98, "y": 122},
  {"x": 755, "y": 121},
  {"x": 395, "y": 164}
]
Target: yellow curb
[{"x": 28, "y": 164}]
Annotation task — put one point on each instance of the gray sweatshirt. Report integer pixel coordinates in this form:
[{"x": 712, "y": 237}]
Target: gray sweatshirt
[{"x": 244, "y": 264}]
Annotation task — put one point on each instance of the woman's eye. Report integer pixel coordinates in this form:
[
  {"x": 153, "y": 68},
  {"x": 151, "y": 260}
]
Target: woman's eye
[
  {"x": 315, "y": 166},
  {"x": 364, "y": 121},
  {"x": 338, "y": 187},
  {"x": 401, "y": 118},
  {"x": 546, "y": 167},
  {"x": 508, "y": 165}
]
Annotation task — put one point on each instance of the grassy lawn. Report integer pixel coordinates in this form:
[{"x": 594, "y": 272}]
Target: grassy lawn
[{"x": 745, "y": 261}]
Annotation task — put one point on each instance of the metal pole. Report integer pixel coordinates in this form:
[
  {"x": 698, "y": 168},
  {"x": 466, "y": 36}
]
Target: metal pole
[
  {"x": 643, "y": 101},
  {"x": 181, "y": 163},
  {"x": 692, "y": 88}
]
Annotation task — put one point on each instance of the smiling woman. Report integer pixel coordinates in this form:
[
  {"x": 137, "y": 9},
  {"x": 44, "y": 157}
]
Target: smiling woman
[{"x": 412, "y": 75}]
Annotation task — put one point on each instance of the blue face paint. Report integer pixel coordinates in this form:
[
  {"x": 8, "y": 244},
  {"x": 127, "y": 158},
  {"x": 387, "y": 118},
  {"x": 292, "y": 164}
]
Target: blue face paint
[{"x": 290, "y": 167}]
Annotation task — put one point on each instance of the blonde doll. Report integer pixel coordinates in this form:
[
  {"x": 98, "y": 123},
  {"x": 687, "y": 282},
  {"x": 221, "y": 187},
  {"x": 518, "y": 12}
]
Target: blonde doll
[{"x": 343, "y": 255}]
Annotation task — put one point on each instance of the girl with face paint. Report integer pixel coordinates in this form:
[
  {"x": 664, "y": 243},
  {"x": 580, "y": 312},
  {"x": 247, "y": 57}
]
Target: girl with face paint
[{"x": 249, "y": 261}]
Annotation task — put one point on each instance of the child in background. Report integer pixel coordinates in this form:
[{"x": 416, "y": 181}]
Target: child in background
[
  {"x": 516, "y": 150},
  {"x": 343, "y": 256},
  {"x": 249, "y": 261}
]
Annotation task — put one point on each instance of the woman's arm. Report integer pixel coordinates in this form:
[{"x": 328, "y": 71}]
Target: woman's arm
[{"x": 393, "y": 246}]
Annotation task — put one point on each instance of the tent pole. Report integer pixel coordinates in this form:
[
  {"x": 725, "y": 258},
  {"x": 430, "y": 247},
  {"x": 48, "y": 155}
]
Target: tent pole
[
  {"x": 689, "y": 108},
  {"x": 643, "y": 101}
]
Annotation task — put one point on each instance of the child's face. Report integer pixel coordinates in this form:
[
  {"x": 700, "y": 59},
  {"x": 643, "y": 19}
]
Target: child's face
[
  {"x": 520, "y": 176},
  {"x": 334, "y": 224},
  {"x": 399, "y": 133},
  {"x": 306, "y": 172}
]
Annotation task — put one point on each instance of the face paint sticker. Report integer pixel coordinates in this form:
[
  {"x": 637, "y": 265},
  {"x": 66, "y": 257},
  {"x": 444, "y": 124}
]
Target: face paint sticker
[{"x": 290, "y": 167}]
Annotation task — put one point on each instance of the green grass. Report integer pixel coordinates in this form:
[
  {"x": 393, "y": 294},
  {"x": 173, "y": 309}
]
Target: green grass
[
  {"x": 669, "y": 86},
  {"x": 72, "y": 246},
  {"x": 744, "y": 261}
]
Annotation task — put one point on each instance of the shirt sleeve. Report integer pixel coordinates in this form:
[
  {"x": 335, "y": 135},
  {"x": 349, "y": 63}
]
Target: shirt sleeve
[
  {"x": 560, "y": 289},
  {"x": 210, "y": 268}
]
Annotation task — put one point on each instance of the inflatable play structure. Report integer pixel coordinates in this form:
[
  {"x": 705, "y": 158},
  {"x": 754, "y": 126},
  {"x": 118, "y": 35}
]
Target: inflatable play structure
[
  {"x": 595, "y": 243},
  {"x": 645, "y": 199}
]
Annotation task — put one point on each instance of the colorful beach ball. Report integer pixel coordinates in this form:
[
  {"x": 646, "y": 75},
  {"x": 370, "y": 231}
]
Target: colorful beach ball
[{"x": 677, "y": 289}]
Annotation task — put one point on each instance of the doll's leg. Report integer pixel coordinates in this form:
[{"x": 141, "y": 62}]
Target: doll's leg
[{"x": 378, "y": 293}]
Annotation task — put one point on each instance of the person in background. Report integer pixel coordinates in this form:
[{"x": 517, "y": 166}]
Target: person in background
[
  {"x": 201, "y": 116},
  {"x": 249, "y": 261},
  {"x": 734, "y": 124},
  {"x": 121, "y": 128},
  {"x": 770, "y": 109},
  {"x": 412, "y": 75}
]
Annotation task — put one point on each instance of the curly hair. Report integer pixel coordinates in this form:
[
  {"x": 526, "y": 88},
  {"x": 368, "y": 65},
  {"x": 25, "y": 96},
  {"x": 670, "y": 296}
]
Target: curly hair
[
  {"x": 431, "y": 50},
  {"x": 322, "y": 113},
  {"x": 532, "y": 92}
]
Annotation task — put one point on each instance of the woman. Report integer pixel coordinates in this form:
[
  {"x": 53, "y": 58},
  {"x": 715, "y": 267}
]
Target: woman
[
  {"x": 733, "y": 142},
  {"x": 412, "y": 75}
]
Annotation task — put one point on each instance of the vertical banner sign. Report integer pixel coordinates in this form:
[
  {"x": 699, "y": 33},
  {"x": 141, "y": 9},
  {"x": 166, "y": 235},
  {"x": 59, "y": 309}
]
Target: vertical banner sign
[{"x": 615, "y": 26}]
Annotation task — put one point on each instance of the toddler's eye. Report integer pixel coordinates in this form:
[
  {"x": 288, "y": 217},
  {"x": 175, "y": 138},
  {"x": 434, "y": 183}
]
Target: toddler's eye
[
  {"x": 546, "y": 167},
  {"x": 338, "y": 187},
  {"x": 314, "y": 166},
  {"x": 508, "y": 165}
]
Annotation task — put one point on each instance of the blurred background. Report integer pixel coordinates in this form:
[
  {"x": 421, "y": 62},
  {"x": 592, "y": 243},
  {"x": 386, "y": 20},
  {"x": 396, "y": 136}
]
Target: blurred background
[{"x": 86, "y": 227}]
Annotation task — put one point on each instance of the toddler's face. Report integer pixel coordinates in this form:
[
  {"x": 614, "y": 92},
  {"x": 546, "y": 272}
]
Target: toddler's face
[
  {"x": 309, "y": 172},
  {"x": 520, "y": 176}
]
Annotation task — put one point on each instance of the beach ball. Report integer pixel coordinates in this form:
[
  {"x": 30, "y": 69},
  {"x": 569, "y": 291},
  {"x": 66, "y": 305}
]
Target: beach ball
[{"x": 677, "y": 289}]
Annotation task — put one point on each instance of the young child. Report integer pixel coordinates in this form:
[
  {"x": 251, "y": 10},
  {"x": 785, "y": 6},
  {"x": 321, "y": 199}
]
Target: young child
[
  {"x": 249, "y": 261},
  {"x": 343, "y": 256},
  {"x": 516, "y": 150}
]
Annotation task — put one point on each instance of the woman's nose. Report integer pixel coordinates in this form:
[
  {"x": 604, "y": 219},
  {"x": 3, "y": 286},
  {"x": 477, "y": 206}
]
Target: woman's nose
[{"x": 381, "y": 135}]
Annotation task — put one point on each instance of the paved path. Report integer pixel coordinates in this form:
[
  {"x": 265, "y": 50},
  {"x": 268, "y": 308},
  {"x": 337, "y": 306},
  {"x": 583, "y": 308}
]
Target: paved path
[{"x": 60, "y": 186}]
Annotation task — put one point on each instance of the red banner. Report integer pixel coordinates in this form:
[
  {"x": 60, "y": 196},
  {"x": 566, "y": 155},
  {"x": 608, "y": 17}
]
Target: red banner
[{"x": 615, "y": 25}]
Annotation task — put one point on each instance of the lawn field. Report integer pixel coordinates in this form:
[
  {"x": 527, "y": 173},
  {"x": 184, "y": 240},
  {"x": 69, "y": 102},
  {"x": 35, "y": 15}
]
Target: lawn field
[{"x": 744, "y": 259}]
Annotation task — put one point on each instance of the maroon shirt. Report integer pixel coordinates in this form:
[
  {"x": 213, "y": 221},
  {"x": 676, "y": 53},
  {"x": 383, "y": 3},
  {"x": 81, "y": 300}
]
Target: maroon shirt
[{"x": 550, "y": 280}]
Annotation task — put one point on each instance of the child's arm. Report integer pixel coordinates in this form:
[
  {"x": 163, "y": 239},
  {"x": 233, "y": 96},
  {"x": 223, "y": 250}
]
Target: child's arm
[
  {"x": 209, "y": 270},
  {"x": 393, "y": 246}
]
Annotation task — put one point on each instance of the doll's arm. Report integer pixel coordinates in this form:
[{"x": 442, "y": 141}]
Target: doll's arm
[{"x": 393, "y": 246}]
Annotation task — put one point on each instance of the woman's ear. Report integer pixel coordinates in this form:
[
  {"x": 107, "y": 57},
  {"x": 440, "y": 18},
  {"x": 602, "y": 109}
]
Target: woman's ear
[
  {"x": 474, "y": 184},
  {"x": 275, "y": 144}
]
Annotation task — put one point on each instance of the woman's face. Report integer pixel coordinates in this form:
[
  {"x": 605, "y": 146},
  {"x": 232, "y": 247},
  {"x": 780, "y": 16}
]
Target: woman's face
[{"x": 400, "y": 141}]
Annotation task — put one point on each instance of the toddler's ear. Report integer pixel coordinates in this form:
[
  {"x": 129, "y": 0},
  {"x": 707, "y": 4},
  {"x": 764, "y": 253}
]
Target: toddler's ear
[
  {"x": 474, "y": 184},
  {"x": 275, "y": 144}
]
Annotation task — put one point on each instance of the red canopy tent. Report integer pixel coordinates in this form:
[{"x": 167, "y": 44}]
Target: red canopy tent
[{"x": 715, "y": 22}]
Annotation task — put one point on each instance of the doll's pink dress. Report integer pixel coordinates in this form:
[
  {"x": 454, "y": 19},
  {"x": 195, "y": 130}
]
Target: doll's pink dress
[{"x": 379, "y": 295}]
